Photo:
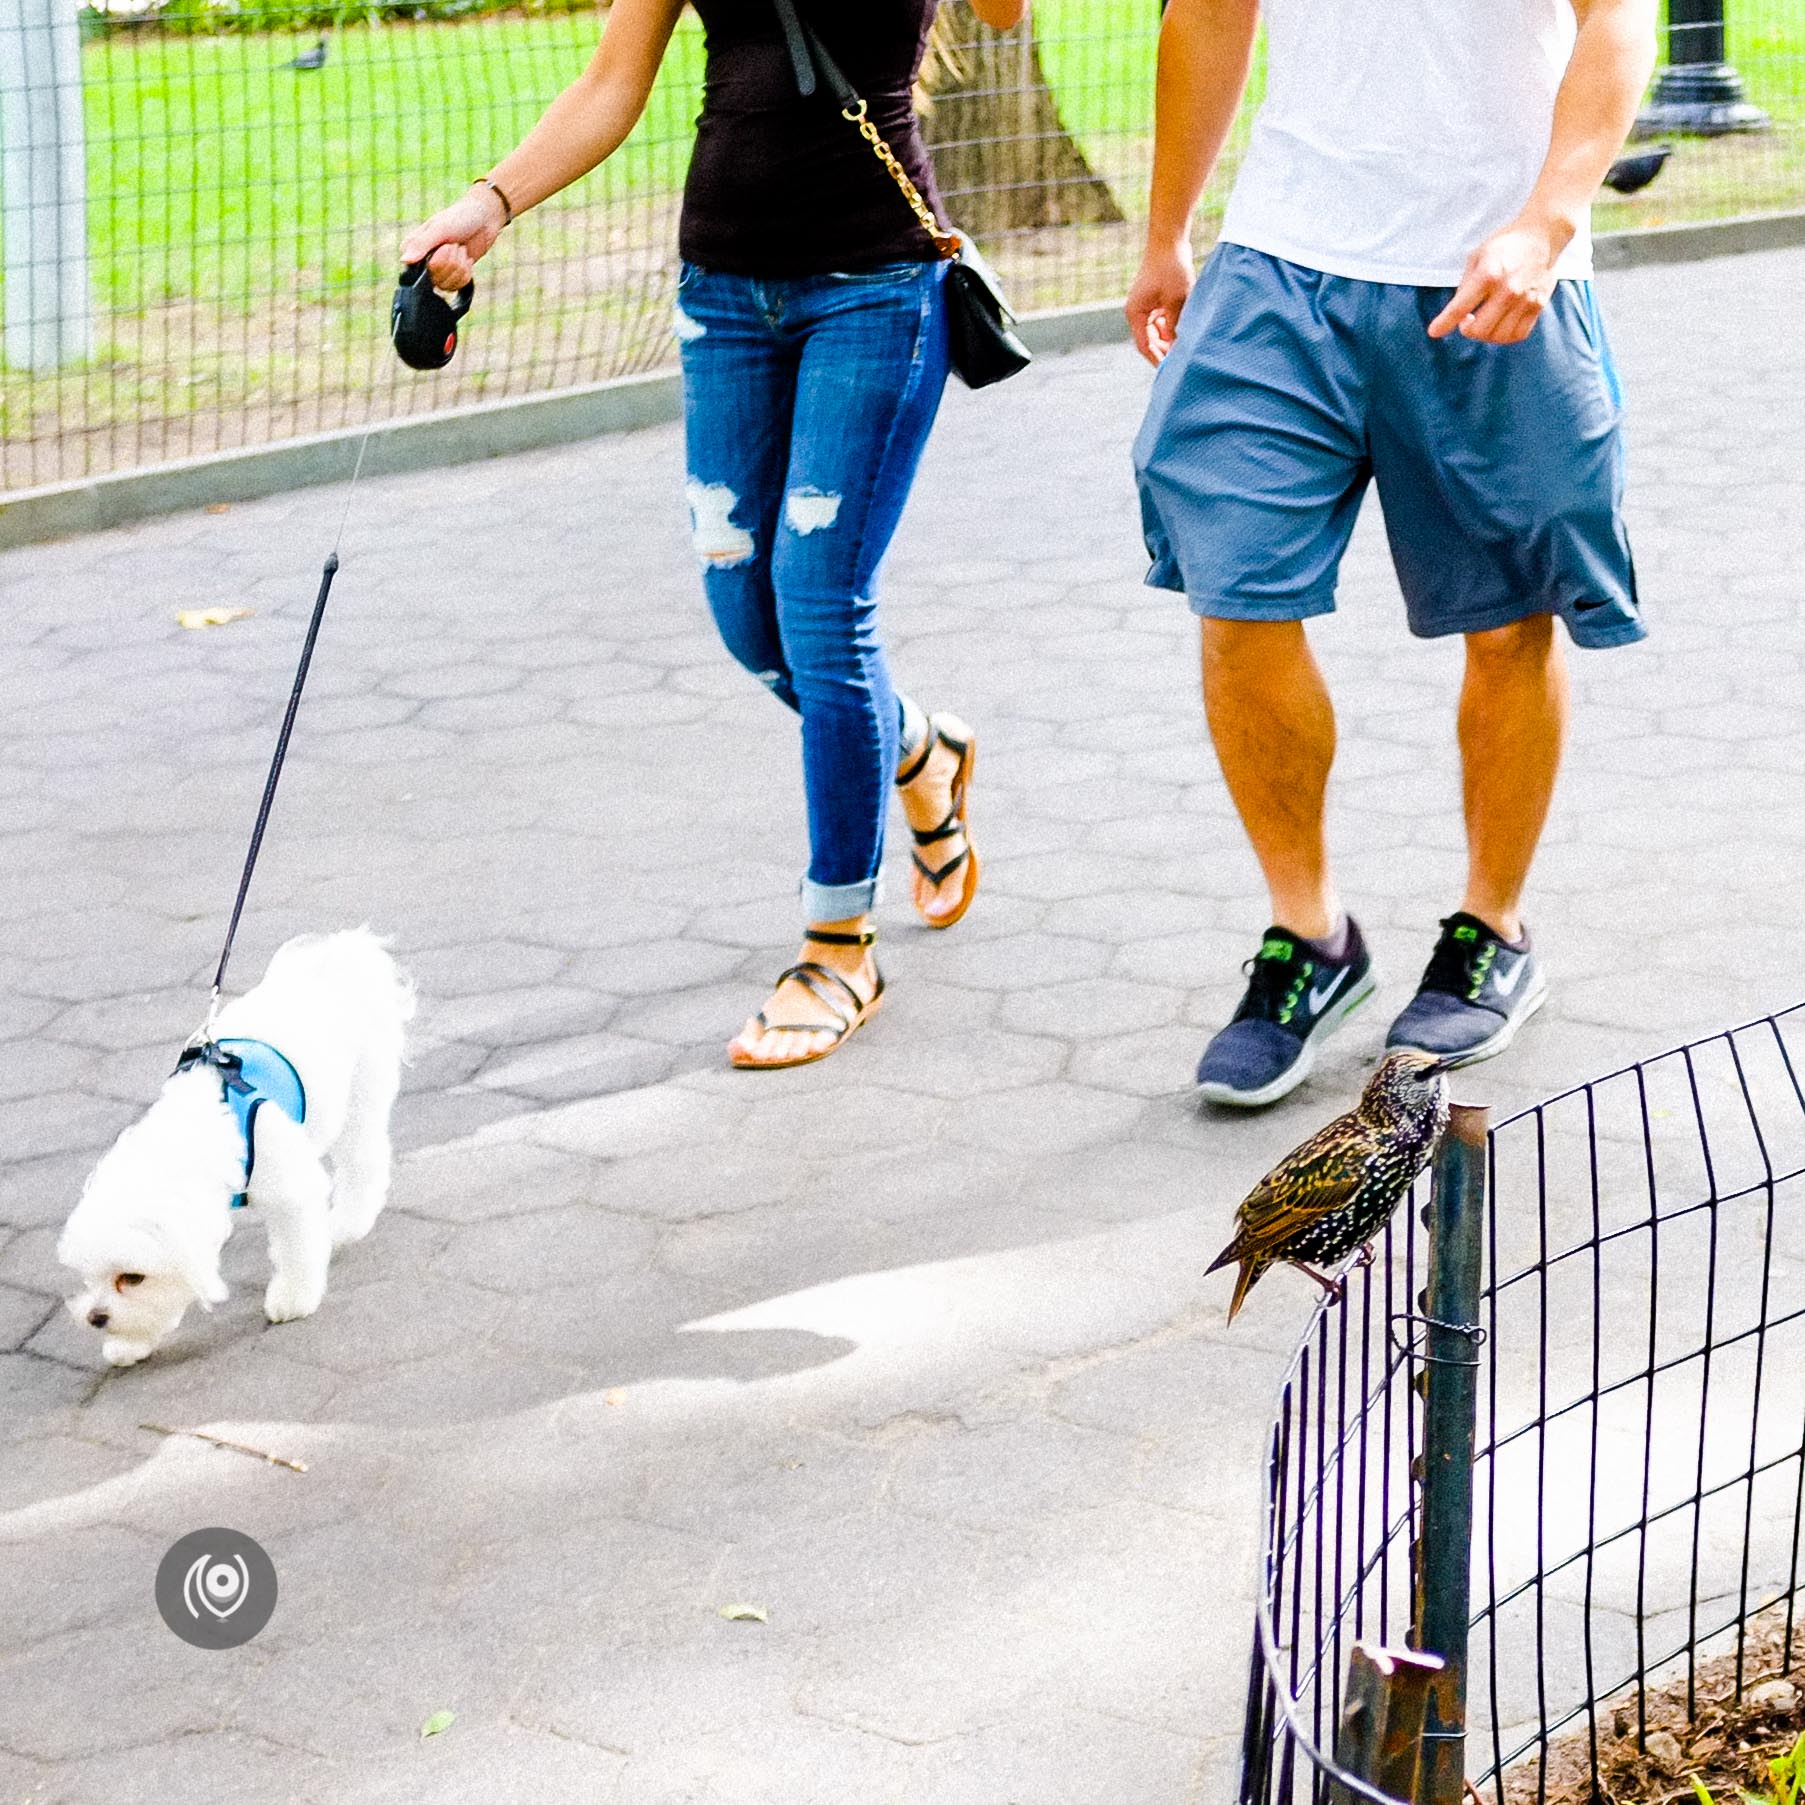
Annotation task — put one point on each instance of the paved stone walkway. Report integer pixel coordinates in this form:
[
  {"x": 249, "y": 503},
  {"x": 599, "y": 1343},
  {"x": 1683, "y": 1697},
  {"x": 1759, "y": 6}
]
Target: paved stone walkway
[{"x": 912, "y": 1349}]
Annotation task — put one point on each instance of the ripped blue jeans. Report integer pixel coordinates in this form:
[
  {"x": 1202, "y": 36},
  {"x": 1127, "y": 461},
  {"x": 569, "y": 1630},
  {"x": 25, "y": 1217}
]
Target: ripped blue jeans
[{"x": 807, "y": 402}]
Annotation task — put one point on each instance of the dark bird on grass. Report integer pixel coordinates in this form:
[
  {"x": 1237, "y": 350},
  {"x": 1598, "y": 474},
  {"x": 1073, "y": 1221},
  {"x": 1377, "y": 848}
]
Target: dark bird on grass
[
  {"x": 1635, "y": 169},
  {"x": 1335, "y": 1192},
  {"x": 308, "y": 59}
]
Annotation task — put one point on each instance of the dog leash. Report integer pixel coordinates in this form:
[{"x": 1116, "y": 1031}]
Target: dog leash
[
  {"x": 423, "y": 328},
  {"x": 282, "y": 738}
]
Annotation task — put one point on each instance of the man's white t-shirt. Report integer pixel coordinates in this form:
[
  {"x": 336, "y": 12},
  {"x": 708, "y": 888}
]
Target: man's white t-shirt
[{"x": 1398, "y": 135}]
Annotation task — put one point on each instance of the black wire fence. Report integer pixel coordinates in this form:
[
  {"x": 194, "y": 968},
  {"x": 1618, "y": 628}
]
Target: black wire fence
[
  {"x": 200, "y": 200},
  {"x": 1639, "y": 1472}
]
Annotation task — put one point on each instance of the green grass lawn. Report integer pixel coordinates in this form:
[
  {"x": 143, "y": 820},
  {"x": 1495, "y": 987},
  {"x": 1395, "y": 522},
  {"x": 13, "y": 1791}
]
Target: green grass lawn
[
  {"x": 215, "y": 172},
  {"x": 208, "y": 160},
  {"x": 243, "y": 216},
  {"x": 1764, "y": 35},
  {"x": 1101, "y": 60},
  {"x": 213, "y": 169}
]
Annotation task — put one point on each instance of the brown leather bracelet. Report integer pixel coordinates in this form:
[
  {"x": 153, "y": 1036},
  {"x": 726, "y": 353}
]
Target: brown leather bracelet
[{"x": 507, "y": 206}]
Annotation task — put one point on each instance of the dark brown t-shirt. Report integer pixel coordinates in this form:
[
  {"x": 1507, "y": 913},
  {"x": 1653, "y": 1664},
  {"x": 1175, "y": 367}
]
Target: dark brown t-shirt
[{"x": 783, "y": 186}]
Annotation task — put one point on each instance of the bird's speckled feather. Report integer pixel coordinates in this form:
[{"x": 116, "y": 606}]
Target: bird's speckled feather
[{"x": 1333, "y": 1194}]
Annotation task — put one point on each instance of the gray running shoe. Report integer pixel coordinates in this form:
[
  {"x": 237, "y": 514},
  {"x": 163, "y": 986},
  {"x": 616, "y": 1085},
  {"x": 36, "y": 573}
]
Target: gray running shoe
[
  {"x": 1295, "y": 1000},
  {"x": 1477, "y": 992}
]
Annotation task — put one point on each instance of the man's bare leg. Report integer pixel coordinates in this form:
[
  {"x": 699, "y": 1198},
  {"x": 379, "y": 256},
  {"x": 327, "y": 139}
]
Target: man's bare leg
[
  {"x": 1484, "y": 981},
  {"x": 1274, "y": 732},
  {"x": 1513, "y": 724}
]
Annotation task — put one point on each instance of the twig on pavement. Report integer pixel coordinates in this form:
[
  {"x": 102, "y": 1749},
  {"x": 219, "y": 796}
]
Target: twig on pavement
[{"x": 237, "y": 1447}]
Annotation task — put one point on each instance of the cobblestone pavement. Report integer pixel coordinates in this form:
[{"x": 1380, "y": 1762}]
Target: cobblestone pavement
[{"x": 912, "y": 1349}]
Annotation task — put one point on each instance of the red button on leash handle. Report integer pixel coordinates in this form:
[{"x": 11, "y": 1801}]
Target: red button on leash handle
[{"x": 422, "y": 323}]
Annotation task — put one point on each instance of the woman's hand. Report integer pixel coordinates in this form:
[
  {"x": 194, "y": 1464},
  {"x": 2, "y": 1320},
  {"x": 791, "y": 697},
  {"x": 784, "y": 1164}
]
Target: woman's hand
[
  {"x": 456, "y": 237},
  {"x": 1158, "y": 298}
]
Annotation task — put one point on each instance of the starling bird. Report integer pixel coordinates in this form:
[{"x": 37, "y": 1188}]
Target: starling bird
[{"x": 1335, "y": 1192}]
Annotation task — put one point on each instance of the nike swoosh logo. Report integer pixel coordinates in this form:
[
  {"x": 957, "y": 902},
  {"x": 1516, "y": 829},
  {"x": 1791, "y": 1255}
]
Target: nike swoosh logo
[
  {"x": 1319, "y": 997},
  {"x": 1504, "y": 986}
]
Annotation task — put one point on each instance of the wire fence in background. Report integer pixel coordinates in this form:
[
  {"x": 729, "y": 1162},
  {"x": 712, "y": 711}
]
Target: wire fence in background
[
  {"x": 200, "y": 235},
  {"x": 1639, "y": 1486}
]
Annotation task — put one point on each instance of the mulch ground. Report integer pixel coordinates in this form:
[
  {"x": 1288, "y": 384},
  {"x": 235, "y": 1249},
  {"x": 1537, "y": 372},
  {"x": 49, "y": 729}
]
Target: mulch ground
[{"x": 1727, "y": 1745}]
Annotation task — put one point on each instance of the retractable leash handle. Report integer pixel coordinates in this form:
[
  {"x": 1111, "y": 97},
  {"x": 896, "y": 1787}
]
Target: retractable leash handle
[{"x": 422, "y": 323}]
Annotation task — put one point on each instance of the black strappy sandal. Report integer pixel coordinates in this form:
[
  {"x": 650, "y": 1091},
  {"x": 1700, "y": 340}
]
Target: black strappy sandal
[
  {"x": 814, "y": 977},
  {"x": 955, "y": 822}
]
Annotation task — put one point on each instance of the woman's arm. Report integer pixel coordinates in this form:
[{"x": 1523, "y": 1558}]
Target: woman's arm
[
  {"x": 1205, "y": 49},
  {"x": 583, "y": 126},
  {"x": 1001, "y": 13}
]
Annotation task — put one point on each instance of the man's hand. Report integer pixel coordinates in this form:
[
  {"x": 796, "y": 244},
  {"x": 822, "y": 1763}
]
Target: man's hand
[
  {"x": 1508, "y": 281},
  {"x": 1158, "y": 298}
]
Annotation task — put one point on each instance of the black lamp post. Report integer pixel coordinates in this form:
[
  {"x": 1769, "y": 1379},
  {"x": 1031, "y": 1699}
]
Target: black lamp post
[{"x": 1698, "y": 91}]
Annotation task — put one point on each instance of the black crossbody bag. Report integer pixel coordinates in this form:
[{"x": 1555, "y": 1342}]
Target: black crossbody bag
[{"x": 984, "y": 344}]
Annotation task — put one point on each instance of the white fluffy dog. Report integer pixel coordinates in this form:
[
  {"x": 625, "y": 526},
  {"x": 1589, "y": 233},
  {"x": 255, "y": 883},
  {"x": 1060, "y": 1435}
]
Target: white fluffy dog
[{"x": 154, "y": 1216}]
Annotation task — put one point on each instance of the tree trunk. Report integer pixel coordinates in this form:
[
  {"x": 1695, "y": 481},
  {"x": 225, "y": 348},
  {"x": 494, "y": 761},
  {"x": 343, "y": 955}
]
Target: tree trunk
[{"x": 1004, "y": 159}]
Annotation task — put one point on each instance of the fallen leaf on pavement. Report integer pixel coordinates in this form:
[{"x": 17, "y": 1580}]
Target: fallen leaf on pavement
[
  {"x": 745, "y": 1613},
  {"x": 438, "y": 1723},
  {"x": 193, "y": 618}
]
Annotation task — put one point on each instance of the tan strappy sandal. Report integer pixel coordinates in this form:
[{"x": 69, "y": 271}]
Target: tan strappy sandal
[
  {"x": 814, "y": 977},
  {"x": 956, "y": 822}
]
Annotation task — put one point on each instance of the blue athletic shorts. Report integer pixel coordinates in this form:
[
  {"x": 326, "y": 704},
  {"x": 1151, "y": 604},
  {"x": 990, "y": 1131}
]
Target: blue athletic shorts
[{"x": 1500, "y": 467}]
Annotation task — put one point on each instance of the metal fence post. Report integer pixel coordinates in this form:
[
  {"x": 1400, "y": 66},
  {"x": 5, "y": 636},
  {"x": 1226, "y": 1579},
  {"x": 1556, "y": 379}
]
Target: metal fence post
[
  {"x": 1698, "y": 91},
  {"x": 1450, "y": 1387},
  {"x": 1381, "y": 1736},
  {"x": 43, "y": 186}
]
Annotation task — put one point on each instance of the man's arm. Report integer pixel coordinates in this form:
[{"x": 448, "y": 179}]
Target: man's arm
[
  {"x": 1205, "y": 47},
  {"x": 1510, "y": 278}
]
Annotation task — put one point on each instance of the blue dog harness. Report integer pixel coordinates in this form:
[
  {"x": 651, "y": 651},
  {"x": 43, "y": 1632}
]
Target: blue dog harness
[{"x": 252, "y": 1073}]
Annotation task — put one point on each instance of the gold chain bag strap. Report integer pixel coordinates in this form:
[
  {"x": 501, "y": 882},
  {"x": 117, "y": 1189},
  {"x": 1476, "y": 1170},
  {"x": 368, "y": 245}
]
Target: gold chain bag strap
[
  {"x": 948, "y": 244},
  {"x": 983, "y": 342}
]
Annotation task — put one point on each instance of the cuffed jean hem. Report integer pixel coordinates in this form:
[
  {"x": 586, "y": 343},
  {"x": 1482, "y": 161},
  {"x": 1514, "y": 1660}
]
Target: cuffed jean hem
[{"x": 837, "y": 902}]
